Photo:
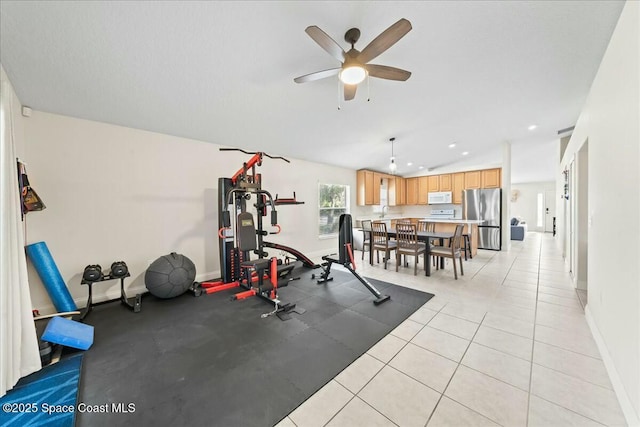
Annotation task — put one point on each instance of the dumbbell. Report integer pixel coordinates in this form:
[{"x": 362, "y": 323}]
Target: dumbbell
[
  {"x": 92, "y": 273},
  {"x": 119, "y": 269}
]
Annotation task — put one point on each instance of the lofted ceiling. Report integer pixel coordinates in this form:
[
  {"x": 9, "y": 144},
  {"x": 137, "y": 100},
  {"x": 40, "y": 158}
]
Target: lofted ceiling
[{"x": 222, "y": 72}]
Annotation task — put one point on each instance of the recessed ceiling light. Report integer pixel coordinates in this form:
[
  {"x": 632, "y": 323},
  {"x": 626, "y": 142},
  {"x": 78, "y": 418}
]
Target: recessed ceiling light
[
  {"x": 452, "y": 145},
  {"x": 409, "y": 164},
  {"x": 464, "y": 153},
  {"x": 532, "y": 127},
  {"x": 420, "y": 167}
]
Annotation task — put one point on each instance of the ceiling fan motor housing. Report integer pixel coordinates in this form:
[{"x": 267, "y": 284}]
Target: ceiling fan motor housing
[{"x": 352, "y": 36}]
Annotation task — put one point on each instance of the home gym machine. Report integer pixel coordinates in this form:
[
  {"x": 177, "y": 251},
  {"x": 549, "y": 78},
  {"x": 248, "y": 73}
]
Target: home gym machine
[
  {"x": 239, "y": 237},
  {"x": 345, "y": 259}
]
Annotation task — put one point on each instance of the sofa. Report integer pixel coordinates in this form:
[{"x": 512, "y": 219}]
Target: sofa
[{"x": 518, "y": 229}]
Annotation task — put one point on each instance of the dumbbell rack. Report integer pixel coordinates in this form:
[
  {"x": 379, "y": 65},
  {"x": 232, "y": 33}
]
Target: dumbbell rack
[{"x": 134, "y": 303}]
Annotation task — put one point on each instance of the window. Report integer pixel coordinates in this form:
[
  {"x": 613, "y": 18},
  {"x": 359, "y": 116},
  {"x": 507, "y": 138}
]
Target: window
[{"x": 333, "y": 201}]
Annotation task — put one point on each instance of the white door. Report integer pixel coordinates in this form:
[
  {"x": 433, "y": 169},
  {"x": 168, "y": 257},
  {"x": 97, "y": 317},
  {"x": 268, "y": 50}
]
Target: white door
[
  {"x": 573, "y": 244},
  {"x": 549, "y": 210}
]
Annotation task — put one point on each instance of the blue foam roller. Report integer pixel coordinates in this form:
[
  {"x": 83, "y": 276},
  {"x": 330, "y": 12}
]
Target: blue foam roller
[
  {"x": 68, "y": 332},
  {"x": 50, "y": 275}
]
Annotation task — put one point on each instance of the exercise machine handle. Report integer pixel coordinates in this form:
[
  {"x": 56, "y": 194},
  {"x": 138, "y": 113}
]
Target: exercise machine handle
[{"x": 221, "y": 232}]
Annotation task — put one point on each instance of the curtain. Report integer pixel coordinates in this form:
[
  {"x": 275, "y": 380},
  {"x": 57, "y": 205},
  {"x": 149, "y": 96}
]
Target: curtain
[{"x": 19, "y": 353}]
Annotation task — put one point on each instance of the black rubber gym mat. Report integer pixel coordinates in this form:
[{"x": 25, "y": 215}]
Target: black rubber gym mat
[{"x": 209, "y": 361}]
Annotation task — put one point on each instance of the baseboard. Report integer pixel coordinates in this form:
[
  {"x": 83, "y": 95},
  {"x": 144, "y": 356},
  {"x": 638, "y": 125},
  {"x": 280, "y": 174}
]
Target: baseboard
[
  {"x": 632, "y": 417},
  {"x": 114, "y": 293}
]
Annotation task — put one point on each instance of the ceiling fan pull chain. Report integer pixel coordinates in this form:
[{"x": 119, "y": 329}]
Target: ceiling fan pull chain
[
  {"x": 368, "y": 88},
  {"x": 339, "y": 93}
]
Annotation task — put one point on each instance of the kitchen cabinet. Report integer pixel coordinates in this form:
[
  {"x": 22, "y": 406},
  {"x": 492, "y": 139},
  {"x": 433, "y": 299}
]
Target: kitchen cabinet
[
  {"x": 423, "y": 189},
  {"x": 376, "y": 188},
  {"x": 401, "y": 184},
  {"x": 397, "y": 191},
  {"x": 368, "y": 188},
  {"x": 445, "y": 182},
  {"x": 490, "y": 178},
  {"x": 472, "y": 180},
  {"x": 433, "y": 183},
  {"x": 457, "y": 187},
  {"x": 412, "y": 191}
]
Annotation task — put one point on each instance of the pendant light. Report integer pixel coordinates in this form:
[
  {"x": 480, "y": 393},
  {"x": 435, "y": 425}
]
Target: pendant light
[{"x": 392, "y": 166}]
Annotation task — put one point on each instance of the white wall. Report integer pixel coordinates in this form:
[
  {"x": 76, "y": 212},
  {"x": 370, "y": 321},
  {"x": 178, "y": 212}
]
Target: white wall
[
  {"x": 610, "y": 123},
  {"x": 115, "y": 193},
  {"x": 526, "y": 205},
  {"x": 18, "y": 120}
]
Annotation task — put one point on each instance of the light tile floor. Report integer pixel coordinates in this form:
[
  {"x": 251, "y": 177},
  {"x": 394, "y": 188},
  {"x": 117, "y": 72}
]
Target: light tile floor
[{"x": 506, "y": 344}]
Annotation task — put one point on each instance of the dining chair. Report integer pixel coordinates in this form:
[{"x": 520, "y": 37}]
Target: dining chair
[
  {"x": 428, "y": 227},
  {"x": 452, "y": 251},
  {"x": 366, "y": 236},
  {"x": 408, "y": 244},
  {"x": 380, "y": 241},
  {"x": 401, "y": 221}
]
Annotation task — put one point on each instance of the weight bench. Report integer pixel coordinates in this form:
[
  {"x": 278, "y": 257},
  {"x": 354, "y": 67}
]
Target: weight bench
[{"x": 345, "y": 259}]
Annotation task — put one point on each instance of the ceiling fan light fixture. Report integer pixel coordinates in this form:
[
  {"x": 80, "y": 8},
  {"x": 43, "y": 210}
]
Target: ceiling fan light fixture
[{"x": 353, "y": 75}]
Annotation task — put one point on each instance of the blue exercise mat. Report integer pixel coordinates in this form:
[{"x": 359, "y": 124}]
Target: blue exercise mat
[
  {"x": 45, "y": 398},
  {"x": 51, "y": 278}
]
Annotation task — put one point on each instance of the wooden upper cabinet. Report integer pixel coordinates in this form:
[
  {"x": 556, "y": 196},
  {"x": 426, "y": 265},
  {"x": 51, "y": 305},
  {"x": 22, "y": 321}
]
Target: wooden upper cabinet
[
  {"x": 457, "y": 187},
  {"x": 376, "y": 188},
  {"x": 401, "y": 191},
  {"x": 433, "y": 183},
  {"x": 423, "y": 189},
  {"x": 397, "y": 191},
  {"x": 412, "y": 191},
  {"x": 445, "y": 182},
  {"x": 368, "y": 191},
  {"x": 472, "y": 180},
  {"x": 491, "y": 178}
]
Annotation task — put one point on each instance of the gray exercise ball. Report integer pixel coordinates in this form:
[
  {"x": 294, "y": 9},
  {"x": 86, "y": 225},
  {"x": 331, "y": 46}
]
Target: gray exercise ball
[{"x": 170, "y": 275}]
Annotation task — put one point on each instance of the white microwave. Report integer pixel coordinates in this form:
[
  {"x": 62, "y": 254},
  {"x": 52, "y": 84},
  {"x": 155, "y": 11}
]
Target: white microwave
[{"x": 438, "y": 198}]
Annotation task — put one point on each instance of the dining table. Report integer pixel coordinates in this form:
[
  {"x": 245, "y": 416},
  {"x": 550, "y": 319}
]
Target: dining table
[{"x": 423, "y": 236}]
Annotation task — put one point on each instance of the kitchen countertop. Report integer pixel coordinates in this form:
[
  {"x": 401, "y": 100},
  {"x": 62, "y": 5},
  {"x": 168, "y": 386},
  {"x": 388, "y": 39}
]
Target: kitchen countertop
[
  {"x": 378, "y": 218},
  {"x": 453, "y": 220}
]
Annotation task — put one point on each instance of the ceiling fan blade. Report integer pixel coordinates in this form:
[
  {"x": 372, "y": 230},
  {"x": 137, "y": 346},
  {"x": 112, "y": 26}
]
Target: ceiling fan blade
[
  {"x": 317, "y": 75},
  {"x": 389, "y": 73},
  {"x": 325, "y": 42},
  {"x": 350, "y": 92},
  {"x": 385, "y": 40}
]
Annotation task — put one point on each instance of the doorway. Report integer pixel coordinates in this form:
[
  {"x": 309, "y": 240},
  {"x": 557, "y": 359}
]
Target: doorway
[
  {"x": 549, "y": 210},
  {"x": 569, "y": 219},
  {"x": 582, "y": 214}
]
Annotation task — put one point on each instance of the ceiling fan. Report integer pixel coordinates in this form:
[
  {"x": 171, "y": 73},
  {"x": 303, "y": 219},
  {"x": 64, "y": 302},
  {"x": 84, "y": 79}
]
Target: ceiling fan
[{"x": 355, "y": 64}]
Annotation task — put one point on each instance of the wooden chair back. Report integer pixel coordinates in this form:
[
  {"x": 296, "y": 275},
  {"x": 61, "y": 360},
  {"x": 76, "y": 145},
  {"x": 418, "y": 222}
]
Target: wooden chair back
[
  {"x": 366, "y": 228},
  {"x": 456, "y": 244},
  {"x": 406, "y": 236},
  {"x": 427, "y": 226},
  {"x": 379, "y": 234}
]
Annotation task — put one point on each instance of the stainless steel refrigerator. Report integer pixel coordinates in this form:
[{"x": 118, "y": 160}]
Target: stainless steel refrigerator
[{"x": 485, "y": 206}]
